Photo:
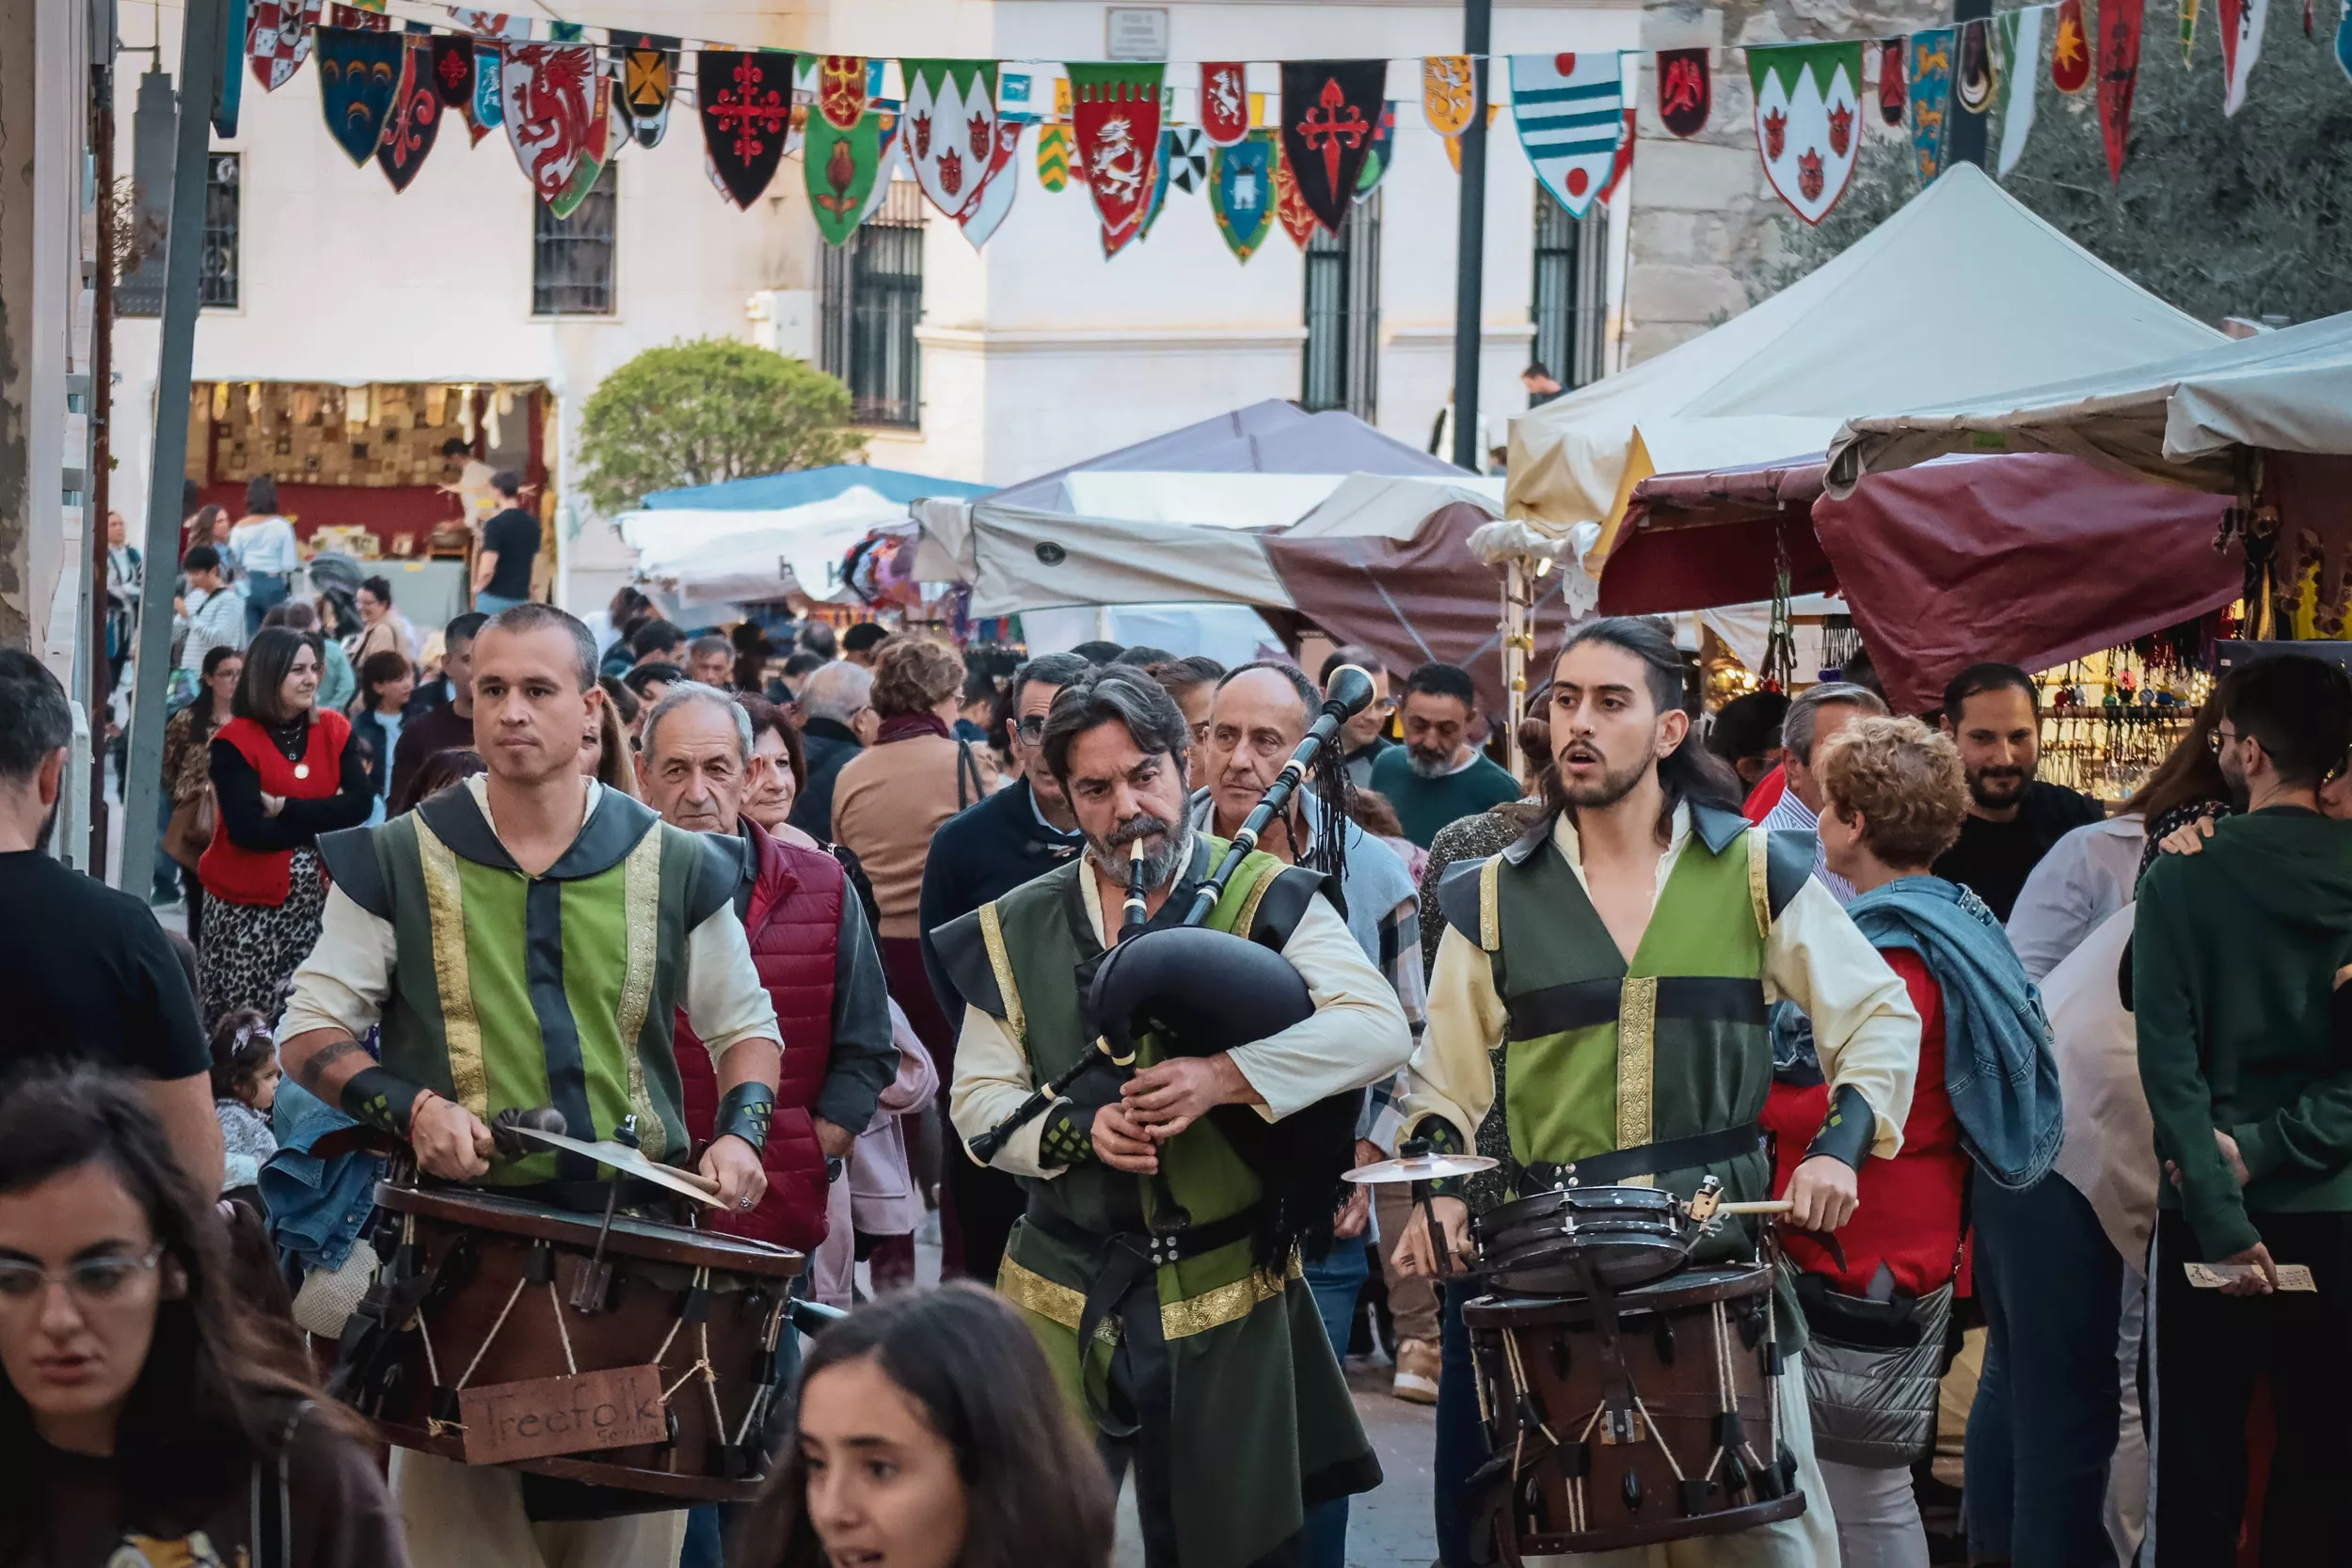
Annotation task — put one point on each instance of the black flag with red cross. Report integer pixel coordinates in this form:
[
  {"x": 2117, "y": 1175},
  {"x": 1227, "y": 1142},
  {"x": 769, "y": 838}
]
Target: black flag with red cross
[{"x": 1330, "y": 113}]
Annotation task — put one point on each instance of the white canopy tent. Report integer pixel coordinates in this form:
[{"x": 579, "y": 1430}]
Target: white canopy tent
[
  {"x": 1961, "y": 293},
  {"x": 700, "y": 559},
  {"x": 2179, "y": 421},
  {"x": 1160, "y": 538}
]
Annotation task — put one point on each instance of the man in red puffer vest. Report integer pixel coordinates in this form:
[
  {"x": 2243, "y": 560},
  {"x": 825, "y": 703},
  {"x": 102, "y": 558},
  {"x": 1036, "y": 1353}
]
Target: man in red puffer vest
[{"x": 815, "y": 956}]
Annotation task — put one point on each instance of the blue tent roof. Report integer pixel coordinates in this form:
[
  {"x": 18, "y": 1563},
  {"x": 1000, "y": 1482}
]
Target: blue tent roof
[{"x": 776, "y": 492}]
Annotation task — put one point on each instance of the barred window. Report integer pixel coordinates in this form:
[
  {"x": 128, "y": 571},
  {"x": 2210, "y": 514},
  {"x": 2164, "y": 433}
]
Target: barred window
[
  {"x": 217, "y": 283},
  {"x": 871, "y": 297},
  {"x": 1342, "y": 353},
  {"x": 571, "y": 259},
  {"x": 1570, "y": 303}
]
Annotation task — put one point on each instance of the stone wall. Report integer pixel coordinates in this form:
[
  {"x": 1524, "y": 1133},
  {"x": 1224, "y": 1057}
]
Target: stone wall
[{"x": 1704, "y": 216}]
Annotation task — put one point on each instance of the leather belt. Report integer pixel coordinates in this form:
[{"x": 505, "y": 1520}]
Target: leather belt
[{"x": 1158, "y": 1247}]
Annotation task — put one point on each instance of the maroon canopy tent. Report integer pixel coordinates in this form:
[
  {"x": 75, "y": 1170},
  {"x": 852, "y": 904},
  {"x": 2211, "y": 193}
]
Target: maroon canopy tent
[{"x": 2029, "y": 557}]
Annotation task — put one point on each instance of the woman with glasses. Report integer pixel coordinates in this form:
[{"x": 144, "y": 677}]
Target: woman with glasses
[{"x": 144, "y": 1421}]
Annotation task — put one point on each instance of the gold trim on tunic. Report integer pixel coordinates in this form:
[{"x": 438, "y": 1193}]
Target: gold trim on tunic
[
  {"x": 1181, "y": 1320},
  {"x": 1248, "y": 914},
  {"x": 1759, "y": 878},
  {"x": 1027, "y": 1288},
  {"x": 461, "y": 1025},
  {"x": 1637, "y": 1055},
  {"x": 1000, "y": 960},
  {"x": 641, "y": 901},
  {"x": 1491, "y": 904}
]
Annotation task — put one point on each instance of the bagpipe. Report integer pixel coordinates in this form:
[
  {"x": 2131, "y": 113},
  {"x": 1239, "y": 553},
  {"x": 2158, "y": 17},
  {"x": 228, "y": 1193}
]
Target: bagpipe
[{"x": 1198, "y": 992}]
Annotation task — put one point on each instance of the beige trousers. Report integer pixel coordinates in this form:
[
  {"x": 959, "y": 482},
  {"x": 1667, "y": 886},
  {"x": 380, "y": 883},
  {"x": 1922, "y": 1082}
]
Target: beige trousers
[
  {"x": 471, "y": 1516},
  {"x": 1807, "y": 1541}
]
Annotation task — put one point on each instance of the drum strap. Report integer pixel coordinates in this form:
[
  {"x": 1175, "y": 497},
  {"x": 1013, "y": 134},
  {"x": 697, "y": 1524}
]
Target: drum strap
[{"x": 1614, "y": 1167}]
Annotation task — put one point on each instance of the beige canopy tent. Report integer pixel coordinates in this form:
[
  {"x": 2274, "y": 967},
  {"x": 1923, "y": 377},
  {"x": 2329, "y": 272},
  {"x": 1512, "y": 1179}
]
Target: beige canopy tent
[
  {"x": 2182, "y": 420},
  {"x": 1962, "y": 294}
]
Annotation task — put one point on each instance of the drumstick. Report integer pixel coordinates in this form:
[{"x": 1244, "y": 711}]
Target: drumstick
[
  {"x": 710, "y": 1183},
  {"x": 1761, "y": 1206}
]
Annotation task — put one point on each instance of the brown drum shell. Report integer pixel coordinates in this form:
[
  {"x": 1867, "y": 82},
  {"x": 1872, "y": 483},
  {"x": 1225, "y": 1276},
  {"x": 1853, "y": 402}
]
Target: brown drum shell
[
  {"x": 653, "y": 1265},
  {"x": 1667, "y": 1345}
]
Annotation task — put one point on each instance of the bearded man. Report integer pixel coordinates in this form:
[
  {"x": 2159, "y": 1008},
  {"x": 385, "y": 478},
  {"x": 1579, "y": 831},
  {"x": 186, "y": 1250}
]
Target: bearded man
[
  {"x": 1622, "y": 954},
  {"x": 1439, "y": 775},
  {"x": 1136, "y": 1262},
  {"x": 1992, "y": 712}
]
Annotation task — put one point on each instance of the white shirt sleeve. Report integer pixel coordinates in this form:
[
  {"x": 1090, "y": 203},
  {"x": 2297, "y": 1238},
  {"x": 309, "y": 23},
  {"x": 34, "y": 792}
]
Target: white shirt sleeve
[
  {"x": 347, "y": 978},
  {"x": 1356, "y": 1037},
  {"x": 2087, "y": 876},
  {"x": 1864, "y": 1024},
  {"x": 724, "y": 1001},
  {"x": 993, "y": 1077},
  {"x": 1451, "y": 1076}
]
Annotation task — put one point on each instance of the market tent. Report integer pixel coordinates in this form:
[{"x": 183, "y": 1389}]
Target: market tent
[
  {"x": 700, "y": 557},
  {"x": 1168, "y": 520},
  {"x": 2179, "y": 419},
  {"x": 1961, "y": 294},
  {"x": 780, "y": 492},
  {"x": 2031, "y": 560}
]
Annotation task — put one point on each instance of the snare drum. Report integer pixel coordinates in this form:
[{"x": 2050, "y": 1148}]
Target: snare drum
[
  {"x": 502, "y": 1307},
  {"x": 1650, "y": 1415},
  {"x": 1542, "y": 1246}
]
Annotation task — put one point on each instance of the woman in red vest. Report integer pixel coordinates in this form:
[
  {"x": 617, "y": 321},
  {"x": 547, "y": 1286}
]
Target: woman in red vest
[{"x": 282, "y": 774}]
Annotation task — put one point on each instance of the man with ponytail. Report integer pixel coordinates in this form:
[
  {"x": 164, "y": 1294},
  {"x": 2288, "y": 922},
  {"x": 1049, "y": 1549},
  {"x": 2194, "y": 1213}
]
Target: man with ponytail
[{"x": 1623, "y": 954}]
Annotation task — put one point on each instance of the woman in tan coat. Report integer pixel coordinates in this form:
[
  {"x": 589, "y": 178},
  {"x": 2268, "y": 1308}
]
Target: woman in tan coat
[{"x": 894, "y": 796}]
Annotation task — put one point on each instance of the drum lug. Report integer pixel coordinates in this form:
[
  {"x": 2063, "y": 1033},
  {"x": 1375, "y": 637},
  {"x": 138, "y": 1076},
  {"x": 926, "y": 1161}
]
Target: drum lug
[
  {"x": 539, "y": 1267},
  {"x": 1735, "y": 1474},
  {"x": 1696, "y": 1490},
  {"x": 1631, "y": 1491},
  {"x": 1531, "y": 1499}
]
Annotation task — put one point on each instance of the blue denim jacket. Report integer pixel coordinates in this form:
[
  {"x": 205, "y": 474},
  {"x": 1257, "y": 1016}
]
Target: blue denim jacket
[
  {"x": 316, "y": 1207},
  {"x": 1997, "y": 1065}
]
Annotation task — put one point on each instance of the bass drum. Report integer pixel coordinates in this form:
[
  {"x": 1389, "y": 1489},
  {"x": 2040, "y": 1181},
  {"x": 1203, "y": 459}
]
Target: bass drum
[{"x": 1543, "y": 1245}]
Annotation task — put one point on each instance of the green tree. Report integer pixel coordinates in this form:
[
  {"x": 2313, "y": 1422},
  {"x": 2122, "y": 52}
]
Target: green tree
[
  {"x": 706, "y": 411},
  {"x": 2220, "y": 215}
]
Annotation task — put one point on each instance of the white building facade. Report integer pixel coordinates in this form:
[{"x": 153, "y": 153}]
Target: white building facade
[{"x": 990, "y": 366}]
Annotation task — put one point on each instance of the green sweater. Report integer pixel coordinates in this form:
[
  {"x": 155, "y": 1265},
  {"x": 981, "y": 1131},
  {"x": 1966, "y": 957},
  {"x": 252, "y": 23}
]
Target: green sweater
[
  {"x": 2234, "y": 953},
  {"x": 1424, "y": 805}
]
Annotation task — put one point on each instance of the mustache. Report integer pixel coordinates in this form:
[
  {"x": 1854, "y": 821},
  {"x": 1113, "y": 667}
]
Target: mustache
[{"x": 1143, "y": 825}]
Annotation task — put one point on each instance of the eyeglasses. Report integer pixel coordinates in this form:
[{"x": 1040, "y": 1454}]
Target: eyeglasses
[
  {"x": 1031, "y": 730},
  {"x": 92, "y": 1281},
  {"x": 2217, "y": 738}
]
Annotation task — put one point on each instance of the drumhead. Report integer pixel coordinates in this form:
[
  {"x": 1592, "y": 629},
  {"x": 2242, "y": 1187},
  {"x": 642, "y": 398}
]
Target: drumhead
[
  {"x": 1683, "y": 1289},
  {"x": 632, "y": 1236}
]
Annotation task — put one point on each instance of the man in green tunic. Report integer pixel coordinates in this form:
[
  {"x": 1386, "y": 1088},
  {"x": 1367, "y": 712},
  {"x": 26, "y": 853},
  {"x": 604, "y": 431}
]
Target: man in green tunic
[
  {"x": 529, "y": 939},
  {"x": 1623, "y": 954},
  {"x": 1202, "y": 1365}
]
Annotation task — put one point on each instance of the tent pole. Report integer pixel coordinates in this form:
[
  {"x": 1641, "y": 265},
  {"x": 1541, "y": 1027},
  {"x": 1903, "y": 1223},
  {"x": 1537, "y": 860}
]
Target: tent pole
[
  {"x": 203, "y": 39},
  {"x": 1470, "y": 244},
  {"x": 1513, "y": 661}
]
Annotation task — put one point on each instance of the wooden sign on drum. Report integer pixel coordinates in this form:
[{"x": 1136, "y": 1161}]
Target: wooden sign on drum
[{"x": 697, "y": 1316}]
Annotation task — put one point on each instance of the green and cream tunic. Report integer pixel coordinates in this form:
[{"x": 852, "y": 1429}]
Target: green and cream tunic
[
  {"x": 496, "y": 989},
  {"x": 1606, "y": 1051},
  {"x": 1238, "y": 1413}
]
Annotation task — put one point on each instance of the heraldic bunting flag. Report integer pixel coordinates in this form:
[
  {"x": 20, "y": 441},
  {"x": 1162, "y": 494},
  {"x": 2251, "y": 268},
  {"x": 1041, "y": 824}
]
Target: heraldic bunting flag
[
  {"x": 607, "y": 133},
  {"x": 951, "y": 128},
  {"x": 841, "y": 168},
  {"x": 1892, "y": 53},
  {"x": 2070, "y": 55},
  {"x": 2120, "y": 23},
  {"x": 649, "y": 63},
  {"x": 1224, "y": 102},
  {"x": 1570, "y": 110},
  {"x": 841, "y": 90},
  {"x": 2241, "y": 46},
  {"x": 1383, "y": 154},
  {"x": 548, "y": 98},
  {"x": 1241, "y": 192},
  {"x": 1114, "y": 111},
  {"x": 1685, "y": 94},
  {"x": 453, "y": 70},
  {"x": 277, "y": 40},
  {"x": 1330, "y": 112},
  {"x": 1448, "y": 93},
  {"x": 993, "y": 200},
  {"x": 1931, "y": 95},
  {"x": 1809, "y": 120},
  {"x": 1053, "y": 157},
  {"x": 414, "y": 119},
  {"x": 358, "y": 72},
  {"x": 746, "y": 107}
]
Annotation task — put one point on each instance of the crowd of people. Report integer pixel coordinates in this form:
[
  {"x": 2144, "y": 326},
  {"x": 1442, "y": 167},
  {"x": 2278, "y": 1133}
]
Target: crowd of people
[{"x": 2014, "y": 1063}]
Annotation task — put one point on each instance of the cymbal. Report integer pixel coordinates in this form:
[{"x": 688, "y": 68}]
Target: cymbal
[
  {"x": 1424, "y": 1167},
  {"x": 629, "y": 1162}
]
